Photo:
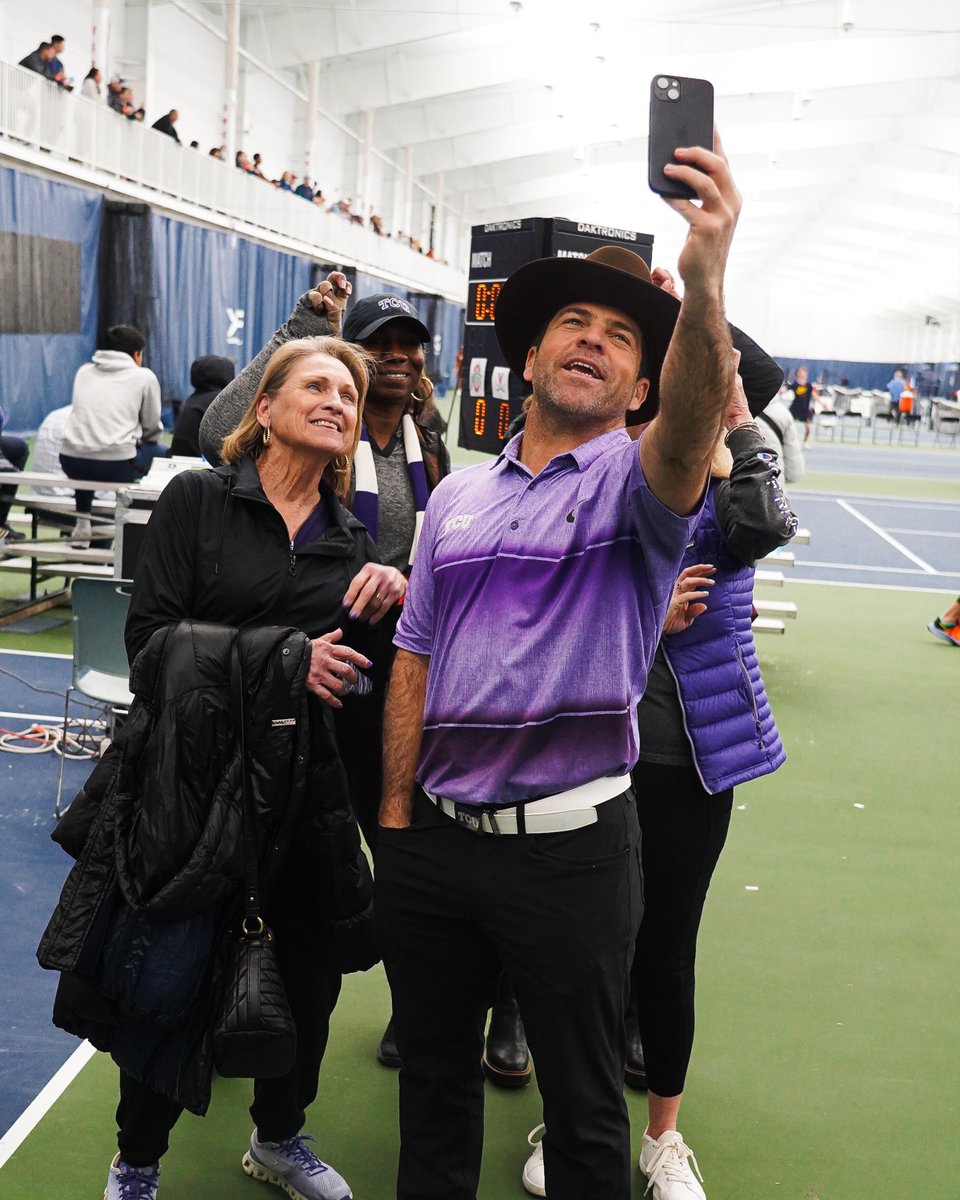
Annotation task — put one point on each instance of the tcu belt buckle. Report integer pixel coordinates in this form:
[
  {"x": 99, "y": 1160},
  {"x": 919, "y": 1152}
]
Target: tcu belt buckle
[{"x": 467, "y": 818}]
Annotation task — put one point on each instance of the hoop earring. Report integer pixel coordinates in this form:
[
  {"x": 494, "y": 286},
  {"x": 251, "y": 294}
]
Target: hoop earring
[
  {"x": 341, "y": 463},
  {"x": 266, "y": 435}
]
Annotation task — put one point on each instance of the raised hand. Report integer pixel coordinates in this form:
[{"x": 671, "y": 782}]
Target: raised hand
[
  {"x": 330, "y": 297},
  {"x": 712, "y": 220}
]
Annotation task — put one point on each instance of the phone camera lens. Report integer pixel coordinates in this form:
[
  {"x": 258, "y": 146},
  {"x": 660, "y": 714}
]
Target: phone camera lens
[
  {"x": 673, "y": 94},
  {"x": 663, "y": 82}
]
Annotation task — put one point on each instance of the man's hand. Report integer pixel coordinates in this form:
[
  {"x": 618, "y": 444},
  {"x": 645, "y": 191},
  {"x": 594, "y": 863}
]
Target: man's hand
[
  {"x": 692, "y": 587},
  {"x": 712, "y": 221},
  {"x": 330, "y": 297}
]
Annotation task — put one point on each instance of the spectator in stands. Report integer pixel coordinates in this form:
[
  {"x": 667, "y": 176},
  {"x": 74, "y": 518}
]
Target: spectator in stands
[
  {"x": 58, "y": 72},
  {"x": 14, "y": 453},
  {"x": 285, "y": 182},
  {"x": 91, "y": 85},
  {"x": 801, "y": 407},
  {"x": 241, "y": 162},
  {"x": 305, "y": 190},
  {"x": 209, "y": 375},
  {"x": 114, "y": 429},
  {"x": 194, "y": 145},
  {"x": 946, "y": 627},
  {"x": 114, "y": 89},
  {"x": 165, "y": 124},
  {"x": 376, "y": 224},
  {"x": 895, "y": 387},
  {"x": 127, "y": 108},
  {"x": 39, "y": 60},
  {"x": 256, "y": 166},
  {"x": 320, "y": 200},
  {"x": 216, "y": 152}
]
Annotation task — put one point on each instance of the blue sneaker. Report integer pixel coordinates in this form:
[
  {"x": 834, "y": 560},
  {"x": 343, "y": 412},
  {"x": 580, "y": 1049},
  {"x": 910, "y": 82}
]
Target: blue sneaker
[
  {"x": 293, "y": 1166},
  {"x": 131, "y": 1183}
]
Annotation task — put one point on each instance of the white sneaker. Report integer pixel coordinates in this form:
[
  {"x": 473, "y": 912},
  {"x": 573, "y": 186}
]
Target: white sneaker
[
  {"x": 533, "y": 1167},
  {"x": 82, "y": 533},
  {"x": 664, "y": 1162}
]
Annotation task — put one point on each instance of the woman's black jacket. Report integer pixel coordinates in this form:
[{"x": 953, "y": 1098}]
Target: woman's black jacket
[{"x": 157, "y": 829}]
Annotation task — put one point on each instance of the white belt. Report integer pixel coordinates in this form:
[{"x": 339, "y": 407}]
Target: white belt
[{"x": 567, "y": 810}]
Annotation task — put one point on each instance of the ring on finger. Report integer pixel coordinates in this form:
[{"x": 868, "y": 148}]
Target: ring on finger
[{"x": 378, "y": 597}]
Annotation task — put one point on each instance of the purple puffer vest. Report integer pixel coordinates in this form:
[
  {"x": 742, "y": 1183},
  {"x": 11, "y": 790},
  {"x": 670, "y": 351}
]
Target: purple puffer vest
[{"x": 726, "y": 713}]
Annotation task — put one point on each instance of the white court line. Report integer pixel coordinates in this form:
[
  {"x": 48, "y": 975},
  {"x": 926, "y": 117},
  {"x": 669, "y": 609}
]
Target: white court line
[
  {"x": 22, "y": 716},
  {"x": 933, "y": 505},
  {"x": 922, "y": 532},
  {"x": 874, "y": 587},
  {"x": 48, "y": 1095},
  {"x": 835, "y": 566},
  {"x": 887, "y": 538},
  {"x": 37, "y": 653}
]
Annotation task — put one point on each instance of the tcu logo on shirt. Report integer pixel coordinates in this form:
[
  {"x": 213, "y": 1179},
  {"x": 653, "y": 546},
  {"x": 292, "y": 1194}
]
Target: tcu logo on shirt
[{"x": 462, "y": 521}]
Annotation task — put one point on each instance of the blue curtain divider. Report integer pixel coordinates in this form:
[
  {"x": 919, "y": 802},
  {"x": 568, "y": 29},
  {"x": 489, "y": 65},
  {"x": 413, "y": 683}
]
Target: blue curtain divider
[
  {"x": 215, "y": 293},
  {"x": 37, "y": 369}
]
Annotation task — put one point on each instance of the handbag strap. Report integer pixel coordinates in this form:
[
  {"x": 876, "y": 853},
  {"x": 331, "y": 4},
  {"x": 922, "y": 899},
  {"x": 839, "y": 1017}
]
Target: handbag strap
[{"x": 252, "y": 920}]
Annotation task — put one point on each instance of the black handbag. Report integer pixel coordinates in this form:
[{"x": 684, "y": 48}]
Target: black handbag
[{"x": 255, "y": 1036}]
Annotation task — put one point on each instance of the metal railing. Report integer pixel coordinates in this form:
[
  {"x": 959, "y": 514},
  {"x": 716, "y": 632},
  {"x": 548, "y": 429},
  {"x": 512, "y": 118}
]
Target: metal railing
[{"x": 130, "y": 157}]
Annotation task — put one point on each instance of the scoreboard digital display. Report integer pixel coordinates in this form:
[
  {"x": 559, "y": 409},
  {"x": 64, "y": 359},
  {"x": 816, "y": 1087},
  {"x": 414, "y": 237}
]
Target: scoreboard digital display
[
  {"x": 482, "y": 301},
  {"x": 491, "y": 395}
]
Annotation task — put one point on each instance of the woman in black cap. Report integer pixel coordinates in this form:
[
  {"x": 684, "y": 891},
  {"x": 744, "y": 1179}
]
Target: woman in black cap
[{"x": 399, "y": 461}]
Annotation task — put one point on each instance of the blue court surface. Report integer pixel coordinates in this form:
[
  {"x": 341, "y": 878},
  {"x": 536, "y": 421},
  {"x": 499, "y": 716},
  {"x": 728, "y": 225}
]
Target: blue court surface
[{"x": 877, "y": 541}]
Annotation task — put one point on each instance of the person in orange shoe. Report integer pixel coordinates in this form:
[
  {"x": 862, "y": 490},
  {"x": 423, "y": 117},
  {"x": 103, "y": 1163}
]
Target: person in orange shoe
[{"x": 946, "y": 627}]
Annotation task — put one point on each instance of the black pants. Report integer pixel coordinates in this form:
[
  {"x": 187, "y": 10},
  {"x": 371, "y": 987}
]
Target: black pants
[
  {"x": 684, "y": 829},
  {"x": 16, "y": 451},
  {"x": 560, "y": 912},
  {"x": 95, "y": 470},
  {"x": 145, "y": 1119}
]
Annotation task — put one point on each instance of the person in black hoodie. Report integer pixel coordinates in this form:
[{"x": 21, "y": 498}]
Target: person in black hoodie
[{"x": 208, "y": 376}]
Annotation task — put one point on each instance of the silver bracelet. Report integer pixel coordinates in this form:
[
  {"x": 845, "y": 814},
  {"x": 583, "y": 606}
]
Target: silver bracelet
[{"x": 751, "y": 424}]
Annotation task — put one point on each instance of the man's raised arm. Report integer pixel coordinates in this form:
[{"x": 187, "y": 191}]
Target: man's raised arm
[{"x": 697, "y": 374}]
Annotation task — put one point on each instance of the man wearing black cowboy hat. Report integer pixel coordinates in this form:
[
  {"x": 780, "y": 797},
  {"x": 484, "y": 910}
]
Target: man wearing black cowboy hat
[{"x": 508, "y": 834}]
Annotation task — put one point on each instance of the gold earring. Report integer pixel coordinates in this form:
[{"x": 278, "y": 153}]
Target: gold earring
[{"x": 266, "y": 435}]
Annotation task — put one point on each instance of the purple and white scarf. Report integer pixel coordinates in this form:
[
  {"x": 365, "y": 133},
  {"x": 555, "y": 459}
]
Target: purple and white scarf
[{"x": 366, "y": 505}]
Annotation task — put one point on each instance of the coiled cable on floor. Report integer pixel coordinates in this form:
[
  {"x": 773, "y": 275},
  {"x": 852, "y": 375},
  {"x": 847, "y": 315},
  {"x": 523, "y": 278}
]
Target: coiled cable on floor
[{"x": 86, "y": 741}]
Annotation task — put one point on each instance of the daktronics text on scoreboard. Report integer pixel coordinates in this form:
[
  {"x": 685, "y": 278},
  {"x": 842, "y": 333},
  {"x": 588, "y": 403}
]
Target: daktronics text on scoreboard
[{"x": 491, "y": 394}]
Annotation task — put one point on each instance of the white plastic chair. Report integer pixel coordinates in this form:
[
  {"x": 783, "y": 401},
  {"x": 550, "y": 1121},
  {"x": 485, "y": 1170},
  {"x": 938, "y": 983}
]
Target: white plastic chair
[{"x": 100, "y": 668}]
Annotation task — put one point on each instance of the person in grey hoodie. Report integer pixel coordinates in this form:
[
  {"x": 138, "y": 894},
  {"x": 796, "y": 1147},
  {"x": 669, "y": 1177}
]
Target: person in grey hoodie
[{"x": 113, "y": 431}]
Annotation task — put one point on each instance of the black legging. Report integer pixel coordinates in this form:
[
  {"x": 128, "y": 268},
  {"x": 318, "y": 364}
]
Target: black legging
[
  {"x": 683, "y": 831},
  {"x": 16, "y": 451}
]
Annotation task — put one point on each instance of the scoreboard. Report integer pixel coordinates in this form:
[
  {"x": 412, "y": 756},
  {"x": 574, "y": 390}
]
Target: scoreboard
[{"x": 491, "y": 394}]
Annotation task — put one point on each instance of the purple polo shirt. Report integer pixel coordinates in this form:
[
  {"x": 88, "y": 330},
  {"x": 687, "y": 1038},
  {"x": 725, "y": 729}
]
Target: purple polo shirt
[{"x": 540, "y": 600}]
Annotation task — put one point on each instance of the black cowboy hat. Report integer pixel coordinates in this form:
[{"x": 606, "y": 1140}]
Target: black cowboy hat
[
  {"x": 611, "y": 275},
  {"x": 620, "y": 279}
]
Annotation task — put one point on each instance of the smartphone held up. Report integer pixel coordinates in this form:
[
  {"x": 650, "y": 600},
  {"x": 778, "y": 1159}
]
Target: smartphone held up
[{"x": 681, "y": 114}]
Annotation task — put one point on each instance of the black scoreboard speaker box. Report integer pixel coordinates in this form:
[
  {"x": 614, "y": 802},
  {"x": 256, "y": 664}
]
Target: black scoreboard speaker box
[{"x": 490, "y": 393}]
